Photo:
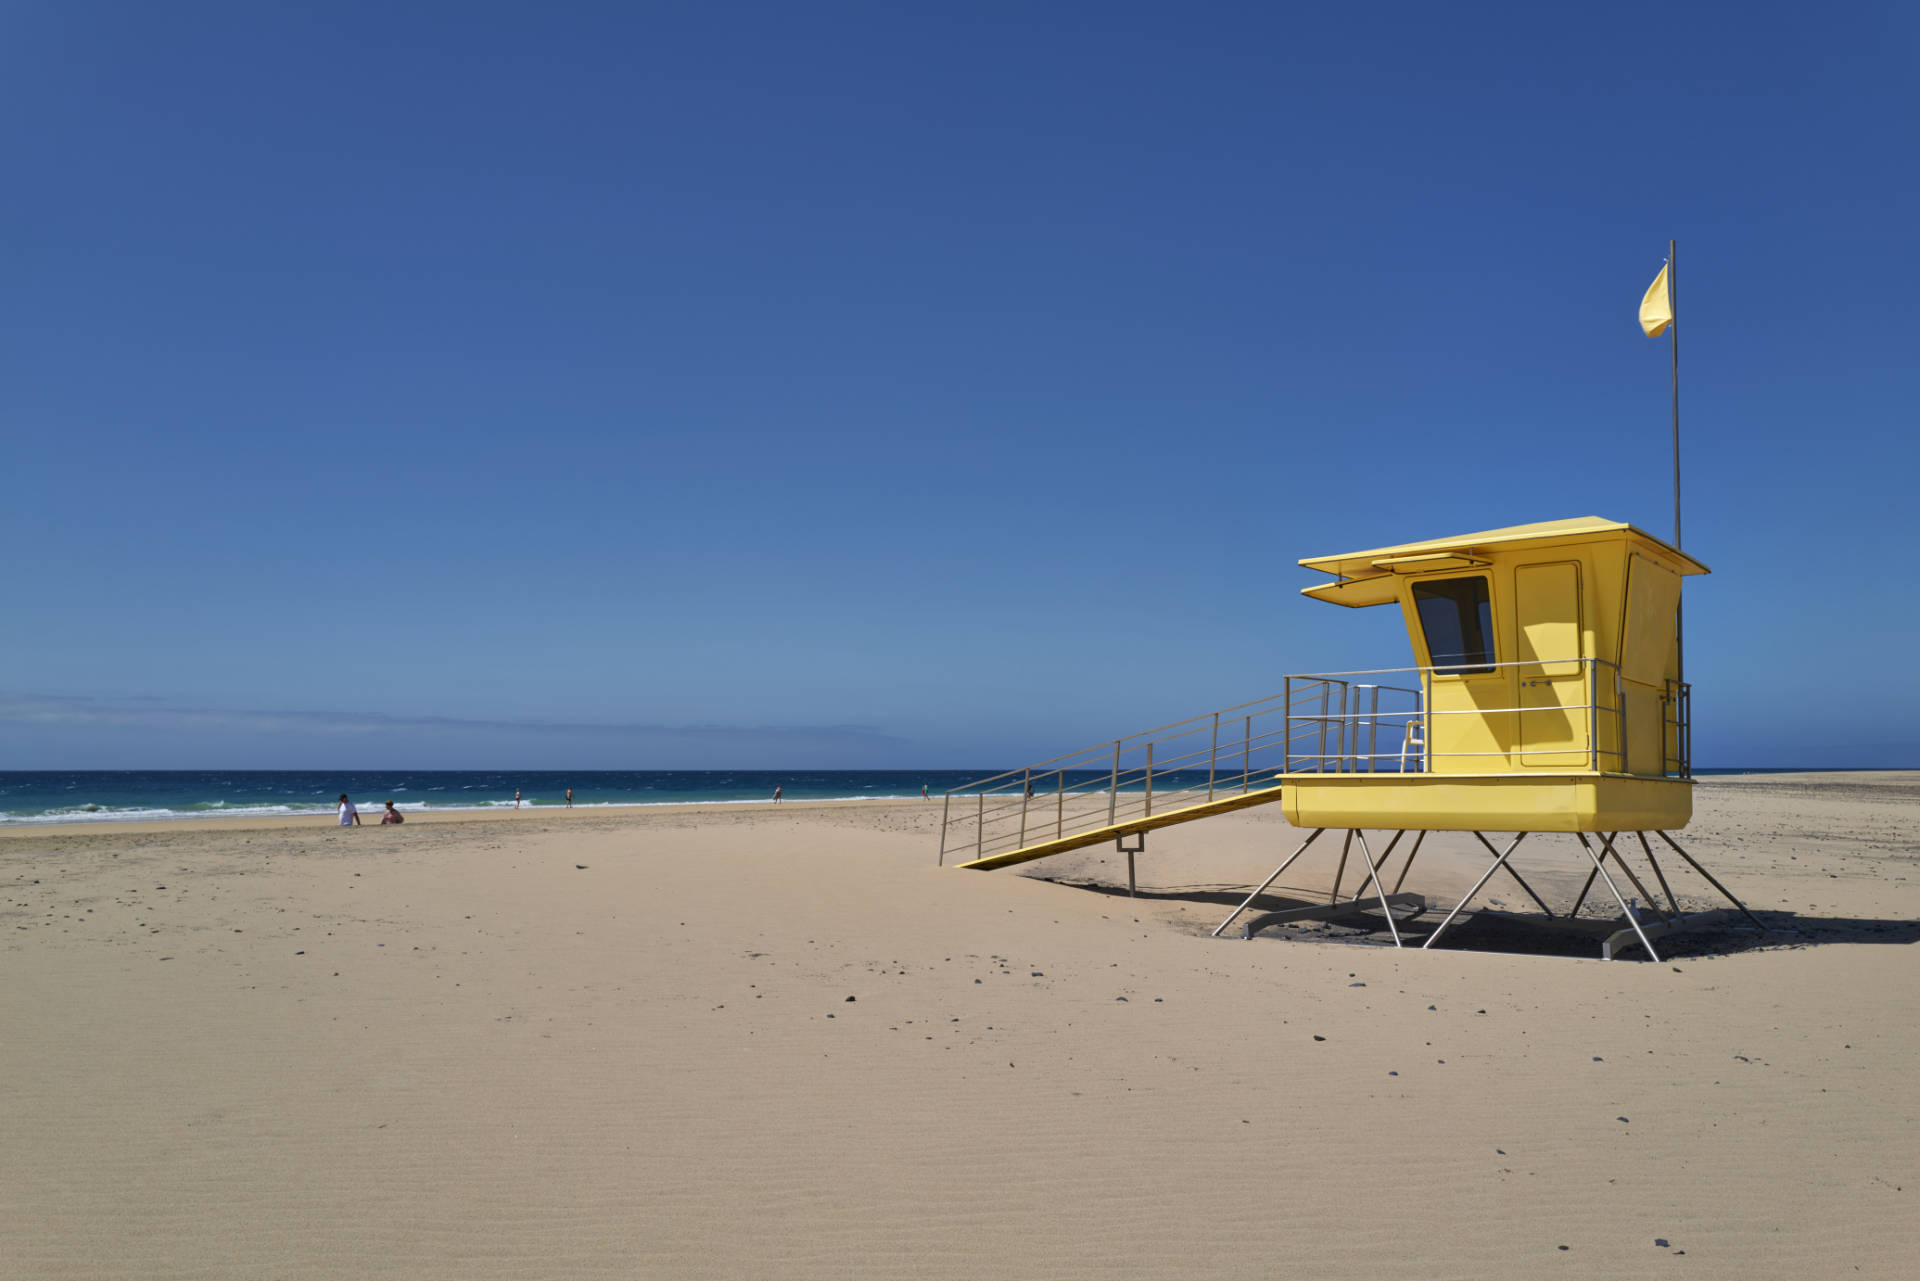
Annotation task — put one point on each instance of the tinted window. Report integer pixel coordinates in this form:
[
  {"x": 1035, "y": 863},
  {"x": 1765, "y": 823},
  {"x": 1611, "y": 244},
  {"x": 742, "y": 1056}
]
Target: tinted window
[{"x": 1457, "y": 618}]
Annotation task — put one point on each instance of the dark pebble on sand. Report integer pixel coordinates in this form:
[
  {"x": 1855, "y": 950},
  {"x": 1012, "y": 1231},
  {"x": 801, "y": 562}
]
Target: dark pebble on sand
[
  {"x": 1661, "y": 1242},
  {"x": 1620, "y": 1118},
  {"x": 849, "y": 998},
  {"x": 579, "y": 867},
  {"x": 1319, "y": 1038},
  {"x": 1119, "y": 998}
]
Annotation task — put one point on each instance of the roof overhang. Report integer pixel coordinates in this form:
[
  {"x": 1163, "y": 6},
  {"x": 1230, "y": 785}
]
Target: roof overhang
[{"x": 1367, "y": 577}]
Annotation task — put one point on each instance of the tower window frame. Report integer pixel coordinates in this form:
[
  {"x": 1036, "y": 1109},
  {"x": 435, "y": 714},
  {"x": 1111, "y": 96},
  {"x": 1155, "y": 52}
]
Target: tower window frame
[{"x": 1456, "y": 624}]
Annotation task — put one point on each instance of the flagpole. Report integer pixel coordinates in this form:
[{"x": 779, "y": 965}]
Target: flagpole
[
  {"x": 1673, "y": 328},
  {"x": 1673, "y": 305}
]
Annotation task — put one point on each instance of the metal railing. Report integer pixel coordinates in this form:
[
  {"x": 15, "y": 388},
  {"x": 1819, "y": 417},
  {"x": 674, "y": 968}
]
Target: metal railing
[
  {"x": 1335, "y": 725},
  {"x": 1233, "y": 751},
  {"x": 1340, "y": 711},
  {"x": 1676, "y": 734},
  {"x": 1339, "y": 722}
]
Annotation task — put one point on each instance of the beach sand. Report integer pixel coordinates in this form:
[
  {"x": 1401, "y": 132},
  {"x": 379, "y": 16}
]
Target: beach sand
[{"x": 760, "y": 1041}]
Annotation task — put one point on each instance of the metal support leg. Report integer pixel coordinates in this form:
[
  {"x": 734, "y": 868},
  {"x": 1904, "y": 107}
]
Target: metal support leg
[
  {"x": 1606, "y": 848},
  {"x": 1340, "y": 872},
  {"x": 1384, "y": 856},
  {"x": 1516, "y": 876},
  {"x": 1672, "y": 902},
  {"x": 1583, "y": 895},
  {"x": 1709, "y": 875},
  {"x": 1624, "y": 909},
  {"x": 1270, "y": 880},
  {"x": 1408, "y": 865},
  {"x": 1374, "y": 876},
  {"x": 1484, "y": 878}
]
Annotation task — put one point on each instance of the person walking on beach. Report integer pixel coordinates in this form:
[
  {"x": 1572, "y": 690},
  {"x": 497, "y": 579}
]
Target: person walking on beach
[
  {"x": 569, "y": 798},
  {"x": 349, "y": 816},
  {"x": 392, "y": 816},
  {"x": 923, "y": 793},
  {"x": 516, "y": 798},
  {"x": 776, "y": 793}
]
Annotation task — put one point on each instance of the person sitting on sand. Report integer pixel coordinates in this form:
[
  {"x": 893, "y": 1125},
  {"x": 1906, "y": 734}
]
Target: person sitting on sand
[
  {"x": 349, "y": 816},
  {"x": 392, "y": 816}
]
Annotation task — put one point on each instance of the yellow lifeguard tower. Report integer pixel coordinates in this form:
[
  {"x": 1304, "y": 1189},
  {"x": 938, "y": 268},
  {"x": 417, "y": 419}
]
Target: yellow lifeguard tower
[{"x": 1547, "y": 696}]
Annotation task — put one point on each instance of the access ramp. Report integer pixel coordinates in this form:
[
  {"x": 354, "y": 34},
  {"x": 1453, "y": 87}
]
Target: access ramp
[{"x": 1215, "y": 763}]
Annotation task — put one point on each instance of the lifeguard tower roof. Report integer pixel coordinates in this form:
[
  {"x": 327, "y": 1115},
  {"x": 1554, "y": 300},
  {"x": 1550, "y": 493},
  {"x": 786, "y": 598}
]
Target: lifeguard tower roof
[{"x": 1367, "y": 578}]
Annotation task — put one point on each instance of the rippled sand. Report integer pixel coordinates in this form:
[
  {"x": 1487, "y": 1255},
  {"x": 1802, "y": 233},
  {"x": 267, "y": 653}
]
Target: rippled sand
[{"x": 755, "y": 1041}]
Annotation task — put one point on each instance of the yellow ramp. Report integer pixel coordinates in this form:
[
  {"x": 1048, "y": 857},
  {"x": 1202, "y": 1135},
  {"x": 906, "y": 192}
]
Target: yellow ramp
[{"x": 1141, "y": 823}]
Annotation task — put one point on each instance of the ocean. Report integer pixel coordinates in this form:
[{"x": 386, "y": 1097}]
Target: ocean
[
  {"x": 78, "y": 796},
  {"x": 106, "y": 796}
]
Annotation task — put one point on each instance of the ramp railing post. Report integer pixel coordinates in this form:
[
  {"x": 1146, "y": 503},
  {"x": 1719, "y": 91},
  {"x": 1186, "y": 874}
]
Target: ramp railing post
[
  {"x": 980, "y": 825},
  {"x": 1026, "y": 798},
  {"x": 1148, "y": 811},
  {"x": 1113, "y": 792},
  {"x": 1060, "y": 808},
  {"x": 1246, "y": 759},
  {"x": 1213, "y": 756},
  {"x": 946, "y": 808}
]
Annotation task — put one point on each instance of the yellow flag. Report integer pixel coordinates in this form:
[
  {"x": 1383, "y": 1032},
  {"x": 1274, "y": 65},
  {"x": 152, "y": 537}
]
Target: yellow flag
[{"x": 1656, "y": 309}]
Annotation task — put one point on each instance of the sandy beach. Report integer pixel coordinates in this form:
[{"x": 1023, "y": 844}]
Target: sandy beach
[{"x": 757, "y": 1040}]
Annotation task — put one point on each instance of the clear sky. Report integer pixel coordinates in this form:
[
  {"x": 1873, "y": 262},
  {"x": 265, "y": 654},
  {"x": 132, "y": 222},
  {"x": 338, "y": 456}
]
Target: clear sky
[{"x": 944, "y": 384}]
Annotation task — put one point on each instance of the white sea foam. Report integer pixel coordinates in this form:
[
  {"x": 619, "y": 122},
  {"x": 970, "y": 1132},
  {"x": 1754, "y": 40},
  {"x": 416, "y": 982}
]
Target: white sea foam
[{"x": 369, "y": 812}]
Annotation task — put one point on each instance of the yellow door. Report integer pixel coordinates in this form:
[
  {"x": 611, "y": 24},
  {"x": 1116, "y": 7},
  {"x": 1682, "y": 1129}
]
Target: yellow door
[{"x": 1553, "y": 722}]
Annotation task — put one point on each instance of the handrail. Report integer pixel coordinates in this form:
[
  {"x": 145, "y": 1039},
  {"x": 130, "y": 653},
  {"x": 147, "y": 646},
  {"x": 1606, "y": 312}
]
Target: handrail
[
  {"x": 1114, "y": 742},
  {"x": 1318, "y": 724}
]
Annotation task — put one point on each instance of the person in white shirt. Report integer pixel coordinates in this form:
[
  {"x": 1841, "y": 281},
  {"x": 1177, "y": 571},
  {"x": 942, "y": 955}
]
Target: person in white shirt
[{"x": 349, "y": 816}]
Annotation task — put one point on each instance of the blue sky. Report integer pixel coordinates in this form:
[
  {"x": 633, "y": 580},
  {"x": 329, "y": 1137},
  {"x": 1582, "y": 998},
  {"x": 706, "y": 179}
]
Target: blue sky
[{"x": 864, "y": 385}]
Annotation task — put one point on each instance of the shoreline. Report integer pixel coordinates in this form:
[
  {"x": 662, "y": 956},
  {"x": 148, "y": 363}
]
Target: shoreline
[{"x": 370, "y": 816}]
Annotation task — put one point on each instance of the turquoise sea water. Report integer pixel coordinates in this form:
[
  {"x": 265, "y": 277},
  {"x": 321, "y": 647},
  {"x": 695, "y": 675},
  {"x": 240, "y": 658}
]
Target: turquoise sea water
[
  {"x": 74, "y": 796},
  {"x": 79, "y": 796}
]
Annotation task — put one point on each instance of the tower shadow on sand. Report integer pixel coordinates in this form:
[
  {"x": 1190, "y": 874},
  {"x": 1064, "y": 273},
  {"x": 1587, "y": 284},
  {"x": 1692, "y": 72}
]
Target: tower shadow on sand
[{"x": 1486, "y": 930}]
